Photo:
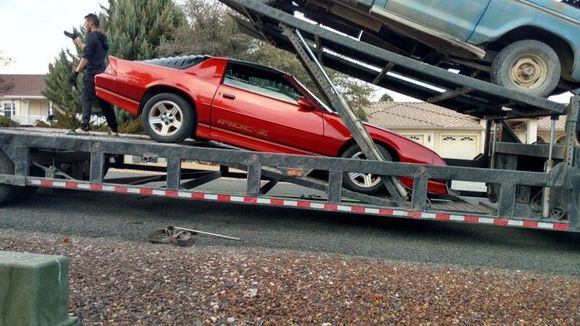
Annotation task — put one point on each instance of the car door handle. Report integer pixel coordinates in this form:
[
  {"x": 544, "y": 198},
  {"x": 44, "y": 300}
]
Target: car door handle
[{"x": 229, "y": 96}]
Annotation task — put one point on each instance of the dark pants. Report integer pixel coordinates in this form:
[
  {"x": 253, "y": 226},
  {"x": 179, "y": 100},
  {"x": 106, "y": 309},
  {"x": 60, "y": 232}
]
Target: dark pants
[{"x": 88, "y": 99}]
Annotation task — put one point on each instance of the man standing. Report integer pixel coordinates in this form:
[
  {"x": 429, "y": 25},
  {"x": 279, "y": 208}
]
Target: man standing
[{"x": 92, "y": 63}]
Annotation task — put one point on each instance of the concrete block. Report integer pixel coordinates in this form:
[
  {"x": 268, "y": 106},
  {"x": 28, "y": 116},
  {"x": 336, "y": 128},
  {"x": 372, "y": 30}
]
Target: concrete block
[{"x": 34, "y": 290}]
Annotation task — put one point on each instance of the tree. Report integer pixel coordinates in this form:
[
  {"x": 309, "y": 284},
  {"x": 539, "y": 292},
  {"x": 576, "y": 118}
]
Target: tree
[
  {"x": 210, "y": 30},
  {"x": 57, "y": 88},
  {"x": 214, "y": 29},
  {"x": 134, "y": 29},
  {"x": 5, "y": 85},
  {"x": 356, "y": 93},
  {"x": 4, "y": 61},
  {"x": 386, "y": 98}
]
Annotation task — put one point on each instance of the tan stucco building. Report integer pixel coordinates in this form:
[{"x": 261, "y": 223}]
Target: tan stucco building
[
  {"x": 450, "y": 134},
  {"x": 22, "y": 99},
  {"x": 539, "y": 129}
]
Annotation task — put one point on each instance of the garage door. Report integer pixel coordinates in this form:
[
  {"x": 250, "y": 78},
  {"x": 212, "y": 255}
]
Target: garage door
[
  {"x": 454, "y": 146},
  {"x": 417, "y": 138}
]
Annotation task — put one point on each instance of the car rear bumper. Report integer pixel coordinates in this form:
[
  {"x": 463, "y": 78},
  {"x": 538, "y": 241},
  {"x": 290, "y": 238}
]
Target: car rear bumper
[{"x": 130, "y": 105}]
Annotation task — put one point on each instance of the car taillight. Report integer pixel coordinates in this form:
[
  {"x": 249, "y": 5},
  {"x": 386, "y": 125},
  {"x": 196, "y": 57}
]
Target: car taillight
[{"x": 112, "y": 66}]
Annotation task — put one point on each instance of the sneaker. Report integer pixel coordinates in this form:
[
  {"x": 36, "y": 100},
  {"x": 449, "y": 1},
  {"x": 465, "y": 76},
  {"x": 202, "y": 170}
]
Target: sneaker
[
  {"x": 113, "y": 133},
  {"x": 81, "y": 131},
  {"x": 78, "y": 131}
]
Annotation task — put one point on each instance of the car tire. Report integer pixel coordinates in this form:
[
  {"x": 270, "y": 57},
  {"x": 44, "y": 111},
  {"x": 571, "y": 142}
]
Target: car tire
[
  {"x": 8, "y": 193},
  {"x": 168, "y": 118},
  {"x": 529, "y": 66},
  {"x": 368, "y": 184}
]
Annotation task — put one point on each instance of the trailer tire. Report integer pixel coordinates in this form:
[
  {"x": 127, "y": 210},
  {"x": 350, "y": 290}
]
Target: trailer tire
[
  {"x": 8, "y": 193},
  {"x": 365, "y": 184},
  {"x": 168, "y": 118},
  {"x": 529, "y": 66}
]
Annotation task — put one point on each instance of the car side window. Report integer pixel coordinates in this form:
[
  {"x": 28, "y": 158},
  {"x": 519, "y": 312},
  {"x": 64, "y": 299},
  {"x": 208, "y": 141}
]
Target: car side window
[{"x": 261, "y": 81}]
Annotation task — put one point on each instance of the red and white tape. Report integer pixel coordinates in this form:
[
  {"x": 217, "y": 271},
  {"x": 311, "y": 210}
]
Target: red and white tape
[{"x": 304, "y": 204}]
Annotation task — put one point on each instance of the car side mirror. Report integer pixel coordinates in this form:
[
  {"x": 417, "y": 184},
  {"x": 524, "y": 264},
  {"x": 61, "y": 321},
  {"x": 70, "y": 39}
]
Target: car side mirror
[{"x": 305, "y": 105}]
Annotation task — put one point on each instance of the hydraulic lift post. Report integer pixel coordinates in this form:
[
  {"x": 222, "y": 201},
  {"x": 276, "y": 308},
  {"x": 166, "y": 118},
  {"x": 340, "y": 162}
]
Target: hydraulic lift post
[{"x": 397, "y": 192}]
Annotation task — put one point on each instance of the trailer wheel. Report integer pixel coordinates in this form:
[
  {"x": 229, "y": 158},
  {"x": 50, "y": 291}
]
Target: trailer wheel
[
  {"x": 364, "y": 183},
  {"x": 8, "y": 193},
  {"x": 529, "y": 66},
  {"x": 168, "y": 118}
]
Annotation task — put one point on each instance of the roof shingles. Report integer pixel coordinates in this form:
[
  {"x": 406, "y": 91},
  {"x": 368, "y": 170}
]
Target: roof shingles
[
  {"x": 22, "y": 85},
  {"x": 418, "y": 115}
]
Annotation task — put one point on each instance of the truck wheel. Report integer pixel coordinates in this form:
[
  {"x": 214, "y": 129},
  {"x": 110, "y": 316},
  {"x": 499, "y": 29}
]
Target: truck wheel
[
  {"x": 7, "y": 192},
  {"x": 529, "y": 66},
  {"x": 363, "y": 183},
  {"x": 168, "y": 118}
]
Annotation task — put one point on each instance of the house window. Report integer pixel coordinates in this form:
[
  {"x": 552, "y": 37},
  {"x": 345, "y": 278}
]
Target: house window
[{"x": 9, "y": 110}]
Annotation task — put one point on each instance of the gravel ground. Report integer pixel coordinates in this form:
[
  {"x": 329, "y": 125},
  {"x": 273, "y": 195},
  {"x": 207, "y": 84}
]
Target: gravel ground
[{"x": 132, "y": 283}]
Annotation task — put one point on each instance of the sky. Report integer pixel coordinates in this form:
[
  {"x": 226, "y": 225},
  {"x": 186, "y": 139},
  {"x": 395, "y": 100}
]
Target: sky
[
  {"x": 31, "y": 34},
  {"x": 32, "y": 31}
]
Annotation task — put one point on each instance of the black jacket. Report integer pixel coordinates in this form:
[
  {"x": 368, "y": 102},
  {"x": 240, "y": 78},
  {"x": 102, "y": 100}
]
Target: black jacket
[{"x": 95, "y": 52}]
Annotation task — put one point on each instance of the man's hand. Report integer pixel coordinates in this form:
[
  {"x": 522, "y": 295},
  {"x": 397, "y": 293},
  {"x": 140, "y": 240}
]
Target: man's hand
[
  {"x": 72, "y": 79},
  {"x": 72, "y": 35}
]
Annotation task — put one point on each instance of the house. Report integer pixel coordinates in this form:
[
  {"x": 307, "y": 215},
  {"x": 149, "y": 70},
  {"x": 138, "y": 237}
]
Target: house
[
  {"x": 21, "y": 98},
  {"x": 450, "y": 134},
  {"x": 544, "y": 125}
]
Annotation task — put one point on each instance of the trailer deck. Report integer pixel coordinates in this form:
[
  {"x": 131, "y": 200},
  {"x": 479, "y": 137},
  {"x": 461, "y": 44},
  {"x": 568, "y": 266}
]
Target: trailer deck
[
  {"x": 31, "y": 157},
  {"x": 50, "y": 151}
]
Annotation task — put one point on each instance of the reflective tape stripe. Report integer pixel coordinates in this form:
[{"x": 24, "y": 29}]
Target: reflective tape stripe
[{"x": 303, "y": 204}]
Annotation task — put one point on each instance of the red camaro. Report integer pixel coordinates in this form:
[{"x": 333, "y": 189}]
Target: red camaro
[{"x": 248, "y": 106}]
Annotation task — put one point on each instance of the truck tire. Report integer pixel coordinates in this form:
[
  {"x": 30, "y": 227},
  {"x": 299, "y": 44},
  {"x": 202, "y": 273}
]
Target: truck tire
[
  {"x": 368, "y": 184},
  {"x": 529, "y": 66},
  {"x": 8, "y": 193},
  {"x": 168, "y": 118}
]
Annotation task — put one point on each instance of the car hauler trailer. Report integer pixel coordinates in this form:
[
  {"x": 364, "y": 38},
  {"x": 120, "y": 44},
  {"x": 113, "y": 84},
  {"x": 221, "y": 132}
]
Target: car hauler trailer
[{"x": 32, "y": 158}]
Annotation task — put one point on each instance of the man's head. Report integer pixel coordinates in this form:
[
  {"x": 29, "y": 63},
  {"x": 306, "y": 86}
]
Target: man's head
[{"x": 92, "y": 22}]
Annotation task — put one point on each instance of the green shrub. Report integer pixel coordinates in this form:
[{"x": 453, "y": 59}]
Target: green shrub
[
  {"x": 66, "y": 120},
  {"x": 7, "y": 122},
  {"x": 63, "y": 120},
  {"x": 134, "y": 126}
]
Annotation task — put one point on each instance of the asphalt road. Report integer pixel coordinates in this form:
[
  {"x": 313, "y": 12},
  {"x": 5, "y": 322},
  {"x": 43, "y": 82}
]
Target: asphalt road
[{"x": 130, "y": 217}]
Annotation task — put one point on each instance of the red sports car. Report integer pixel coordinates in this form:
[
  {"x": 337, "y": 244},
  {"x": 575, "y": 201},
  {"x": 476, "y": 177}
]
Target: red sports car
[{"x": 248, "y": 106}]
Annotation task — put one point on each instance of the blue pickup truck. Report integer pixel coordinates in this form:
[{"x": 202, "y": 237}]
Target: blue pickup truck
[{"x": 529, "y": 45}]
